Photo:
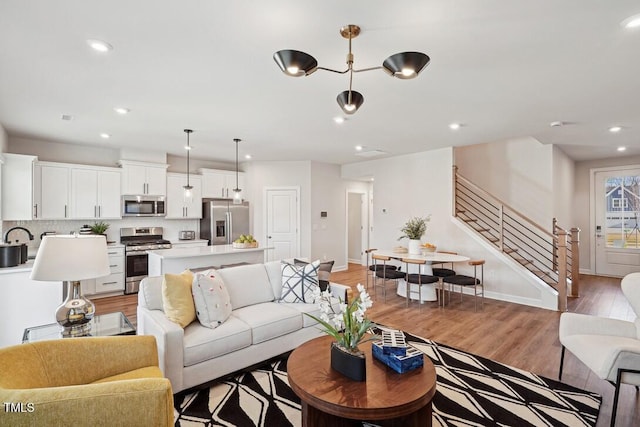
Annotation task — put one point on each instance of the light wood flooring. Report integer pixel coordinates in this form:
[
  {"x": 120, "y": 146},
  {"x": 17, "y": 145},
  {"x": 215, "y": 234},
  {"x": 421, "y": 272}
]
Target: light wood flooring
[{"x": 520, "y": 336}]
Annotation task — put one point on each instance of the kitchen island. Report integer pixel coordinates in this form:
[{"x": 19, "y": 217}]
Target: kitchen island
[
  {"x": 25, "y": 302},
  {"x": 176, "y": 260}
]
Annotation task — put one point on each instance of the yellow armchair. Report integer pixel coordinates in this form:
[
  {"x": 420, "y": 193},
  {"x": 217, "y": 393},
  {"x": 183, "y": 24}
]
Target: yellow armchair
[{"x": 92, "y": 381}]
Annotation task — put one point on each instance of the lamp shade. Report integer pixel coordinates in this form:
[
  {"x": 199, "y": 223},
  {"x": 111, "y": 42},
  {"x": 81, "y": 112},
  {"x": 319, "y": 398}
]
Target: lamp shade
[
  {"x": 295, "y": 63},
  {"x": 356, "y": 101},
  {"x": 405, "y": 65},
  {"x": 71, "y": 258}
]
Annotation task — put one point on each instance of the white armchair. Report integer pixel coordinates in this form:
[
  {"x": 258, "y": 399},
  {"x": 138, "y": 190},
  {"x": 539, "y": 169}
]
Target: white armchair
[{"x": 609, "y": 347}]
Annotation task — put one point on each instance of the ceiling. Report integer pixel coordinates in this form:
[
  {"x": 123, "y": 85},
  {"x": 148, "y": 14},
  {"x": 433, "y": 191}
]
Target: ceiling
[{"x": 503, "y": 68}]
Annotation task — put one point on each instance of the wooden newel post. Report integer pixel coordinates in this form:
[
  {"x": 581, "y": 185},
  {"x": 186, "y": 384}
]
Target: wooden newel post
[
  {"x": 562, "y": 269},
  {"x": 575, "y": 262}
]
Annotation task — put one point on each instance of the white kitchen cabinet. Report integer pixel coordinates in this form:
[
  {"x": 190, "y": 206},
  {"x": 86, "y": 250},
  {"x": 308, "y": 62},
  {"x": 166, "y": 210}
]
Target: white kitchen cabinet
[
  {"x": 220, "y": 183},
  {"x": 95, "y": 193},
  {"x": 52, "y": 190},
  {"x": 17, "y": 187},
  {"x": 112, "y": 283},
  {"x": 177, "y": 206},
  {"x": 140, "y": 178}
]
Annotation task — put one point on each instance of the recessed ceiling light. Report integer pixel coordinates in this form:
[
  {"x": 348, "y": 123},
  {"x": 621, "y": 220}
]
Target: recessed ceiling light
[
  {"x": 105, "y": 135},
  {"x": 455, "y": 126},
  {"x": 99, "y": 45},
  {"x": 121, "y": 110},
  {"x": 631, "y": 22},
  {"x": 556, "y": 124},
  {"x": 67, "y": 117},
  {"x": 358, "y": 147},
  {"x": 247, "y": 156},
  {"x": 338, "y": 119},
  {"x": 622, "y": 148},
  {"x": 615, "y": 129}
]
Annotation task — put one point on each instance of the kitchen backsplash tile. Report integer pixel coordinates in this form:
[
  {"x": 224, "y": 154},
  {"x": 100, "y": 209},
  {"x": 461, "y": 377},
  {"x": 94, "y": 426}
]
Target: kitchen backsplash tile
[{"x": 37, "y": 228}]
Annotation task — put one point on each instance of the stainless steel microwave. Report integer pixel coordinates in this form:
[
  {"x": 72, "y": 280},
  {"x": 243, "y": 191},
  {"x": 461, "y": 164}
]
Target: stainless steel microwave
[{"x": 143, "y": 206}]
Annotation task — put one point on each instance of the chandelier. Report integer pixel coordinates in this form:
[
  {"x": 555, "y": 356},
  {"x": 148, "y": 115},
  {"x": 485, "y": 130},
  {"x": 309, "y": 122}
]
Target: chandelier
[
  {"x": 188, "y": 194},
  {"x": 404, "y": 65}
]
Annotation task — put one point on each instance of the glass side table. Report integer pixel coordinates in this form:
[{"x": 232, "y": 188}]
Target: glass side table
[{"x": 101, "y": 325}]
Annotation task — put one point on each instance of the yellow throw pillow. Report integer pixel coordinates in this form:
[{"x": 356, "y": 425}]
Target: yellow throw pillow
[{"x": 177, "y": 299}]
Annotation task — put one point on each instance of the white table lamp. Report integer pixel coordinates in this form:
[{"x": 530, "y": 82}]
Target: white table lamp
[{"x": 72, "y": 258}]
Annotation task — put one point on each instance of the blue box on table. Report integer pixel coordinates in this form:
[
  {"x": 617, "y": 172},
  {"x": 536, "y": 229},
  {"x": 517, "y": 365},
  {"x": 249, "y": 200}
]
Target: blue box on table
[
  {"x": 393, "y": 342},
  {"x": 411, "y": 360}
]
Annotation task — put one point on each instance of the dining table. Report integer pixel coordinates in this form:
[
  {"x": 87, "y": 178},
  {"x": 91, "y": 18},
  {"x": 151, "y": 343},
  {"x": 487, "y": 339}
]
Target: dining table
[{"x": 429, "y": 291}]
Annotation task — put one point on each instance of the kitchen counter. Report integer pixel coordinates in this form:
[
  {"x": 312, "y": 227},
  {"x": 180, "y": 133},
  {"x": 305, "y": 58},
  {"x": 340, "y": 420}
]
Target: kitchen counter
[
  {"x": 176, "y": 260},
  {"x": 27, "y": 266},
  {"x": 25, "y": 302}
]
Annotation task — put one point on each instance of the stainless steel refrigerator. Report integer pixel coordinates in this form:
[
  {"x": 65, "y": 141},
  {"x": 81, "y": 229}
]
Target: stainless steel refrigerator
[{"x": 223, "y": 221}]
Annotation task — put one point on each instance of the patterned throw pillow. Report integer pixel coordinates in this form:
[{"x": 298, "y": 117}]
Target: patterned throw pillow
[
  {"x": 324, "y": 272},
  {"x": 299, "y": 282},
  {"x": 212, "y": 301},
  {"x": 177, "y": 299}
]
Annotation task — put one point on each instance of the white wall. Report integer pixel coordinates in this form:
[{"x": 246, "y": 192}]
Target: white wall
[
  {"x": 4, "y": 140},
  {"x": 420, "y": 184},
  {"x": 563, "y": 179},
  {"x": 516, "y": 171}
]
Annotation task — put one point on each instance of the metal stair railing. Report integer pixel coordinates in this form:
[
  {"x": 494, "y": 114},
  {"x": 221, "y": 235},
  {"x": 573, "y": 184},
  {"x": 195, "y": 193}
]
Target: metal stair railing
[{"x": 552, "y": 256}]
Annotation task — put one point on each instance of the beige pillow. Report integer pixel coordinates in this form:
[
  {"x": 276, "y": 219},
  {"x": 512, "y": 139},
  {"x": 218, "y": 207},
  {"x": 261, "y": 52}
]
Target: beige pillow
[
  {"x": 210, "y": 296},
  {"x": 177, "y": 298}
]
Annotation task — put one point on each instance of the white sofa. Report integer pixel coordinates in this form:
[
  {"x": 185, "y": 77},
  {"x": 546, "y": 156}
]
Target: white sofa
[{"x": 259, "y": 327}]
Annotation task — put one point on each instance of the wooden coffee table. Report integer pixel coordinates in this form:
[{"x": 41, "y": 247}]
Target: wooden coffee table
[{"x": 385, "y": 398}]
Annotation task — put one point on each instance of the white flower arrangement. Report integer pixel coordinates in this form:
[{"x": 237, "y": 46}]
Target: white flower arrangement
[{"x": 348, "y": 324}]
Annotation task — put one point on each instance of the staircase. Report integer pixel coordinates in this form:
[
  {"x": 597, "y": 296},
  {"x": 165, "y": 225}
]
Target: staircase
[{"x": 552, "y": 256}]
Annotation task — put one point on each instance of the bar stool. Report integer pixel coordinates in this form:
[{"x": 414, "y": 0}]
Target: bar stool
[
  {"x": 417, "y": 278},
  {"x": 382, "y": 271},
  {"x": 371, "y": 268},
  {"x": 477, "y": 281}
]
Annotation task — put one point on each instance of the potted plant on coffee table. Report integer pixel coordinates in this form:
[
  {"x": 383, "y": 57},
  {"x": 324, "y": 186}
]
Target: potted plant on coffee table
[{"x": 413, "y": 230}]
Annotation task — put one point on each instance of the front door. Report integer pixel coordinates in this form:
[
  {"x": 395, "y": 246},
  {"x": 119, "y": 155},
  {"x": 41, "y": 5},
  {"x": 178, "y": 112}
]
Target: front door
[
  {"x": 282, "y": 223},
  {"x": 617, "y": 211}
]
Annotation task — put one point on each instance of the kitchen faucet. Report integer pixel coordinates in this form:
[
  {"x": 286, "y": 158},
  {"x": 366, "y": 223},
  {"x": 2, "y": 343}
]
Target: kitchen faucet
[{"x": 6, "y": 235}]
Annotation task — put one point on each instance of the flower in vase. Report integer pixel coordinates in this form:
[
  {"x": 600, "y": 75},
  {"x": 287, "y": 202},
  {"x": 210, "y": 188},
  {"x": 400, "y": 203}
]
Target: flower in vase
[{"x": 348, "y": 323}]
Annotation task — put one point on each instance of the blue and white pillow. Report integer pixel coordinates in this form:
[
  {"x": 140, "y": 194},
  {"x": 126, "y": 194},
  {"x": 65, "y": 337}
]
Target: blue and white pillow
[{"x": 299, "y": 283}]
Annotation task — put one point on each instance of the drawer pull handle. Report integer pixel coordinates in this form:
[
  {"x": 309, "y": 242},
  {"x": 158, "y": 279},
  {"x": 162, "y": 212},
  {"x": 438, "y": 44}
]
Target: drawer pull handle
[{"x": 109, "y": 283}]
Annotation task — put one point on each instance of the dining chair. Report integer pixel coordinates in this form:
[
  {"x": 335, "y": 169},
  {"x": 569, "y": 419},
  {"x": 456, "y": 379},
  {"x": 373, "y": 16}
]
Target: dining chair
[
  {"x": 371, "y": 267},
  {"x": 416, "y": 279},
  {"x": 442, "y": 272},
  {"x": 477, "y": 281},
  {"x": 383, "y": 272}
]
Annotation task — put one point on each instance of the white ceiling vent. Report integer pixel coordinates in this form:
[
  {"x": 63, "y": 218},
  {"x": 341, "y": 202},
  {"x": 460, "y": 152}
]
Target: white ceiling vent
[{"x": 371, "y": 153}]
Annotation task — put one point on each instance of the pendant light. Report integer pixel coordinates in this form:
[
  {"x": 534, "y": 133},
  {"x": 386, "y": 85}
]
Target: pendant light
[
  {"x": 237, "y": 196},
  {"x": 188, "y": 193},
  {"x": 404, "y": 65}
]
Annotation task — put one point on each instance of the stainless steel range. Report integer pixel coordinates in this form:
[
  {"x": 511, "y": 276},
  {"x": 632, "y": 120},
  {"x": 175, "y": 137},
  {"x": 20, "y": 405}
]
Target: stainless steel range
[{"x": 137, "y": 241}]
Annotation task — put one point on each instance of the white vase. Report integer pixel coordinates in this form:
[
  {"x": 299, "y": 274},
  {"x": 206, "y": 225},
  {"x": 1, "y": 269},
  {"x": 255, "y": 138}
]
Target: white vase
[{"x": 414, "y": 246}]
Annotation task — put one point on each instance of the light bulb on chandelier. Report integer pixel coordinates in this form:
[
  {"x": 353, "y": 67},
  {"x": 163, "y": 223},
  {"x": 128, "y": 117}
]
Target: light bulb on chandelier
[
  {"x": 188, "y": 189},
  {"x": 237, "y": 192}
]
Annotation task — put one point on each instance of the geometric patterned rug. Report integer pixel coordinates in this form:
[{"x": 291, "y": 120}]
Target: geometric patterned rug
[{"x": 470, "y": 391}]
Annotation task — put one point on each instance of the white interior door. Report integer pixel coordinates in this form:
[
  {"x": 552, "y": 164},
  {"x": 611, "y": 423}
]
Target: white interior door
[
  {"x": 355, "y": 227},
  {"x": 617, "y": 211},
  {"x": 282, "y": 223}
]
